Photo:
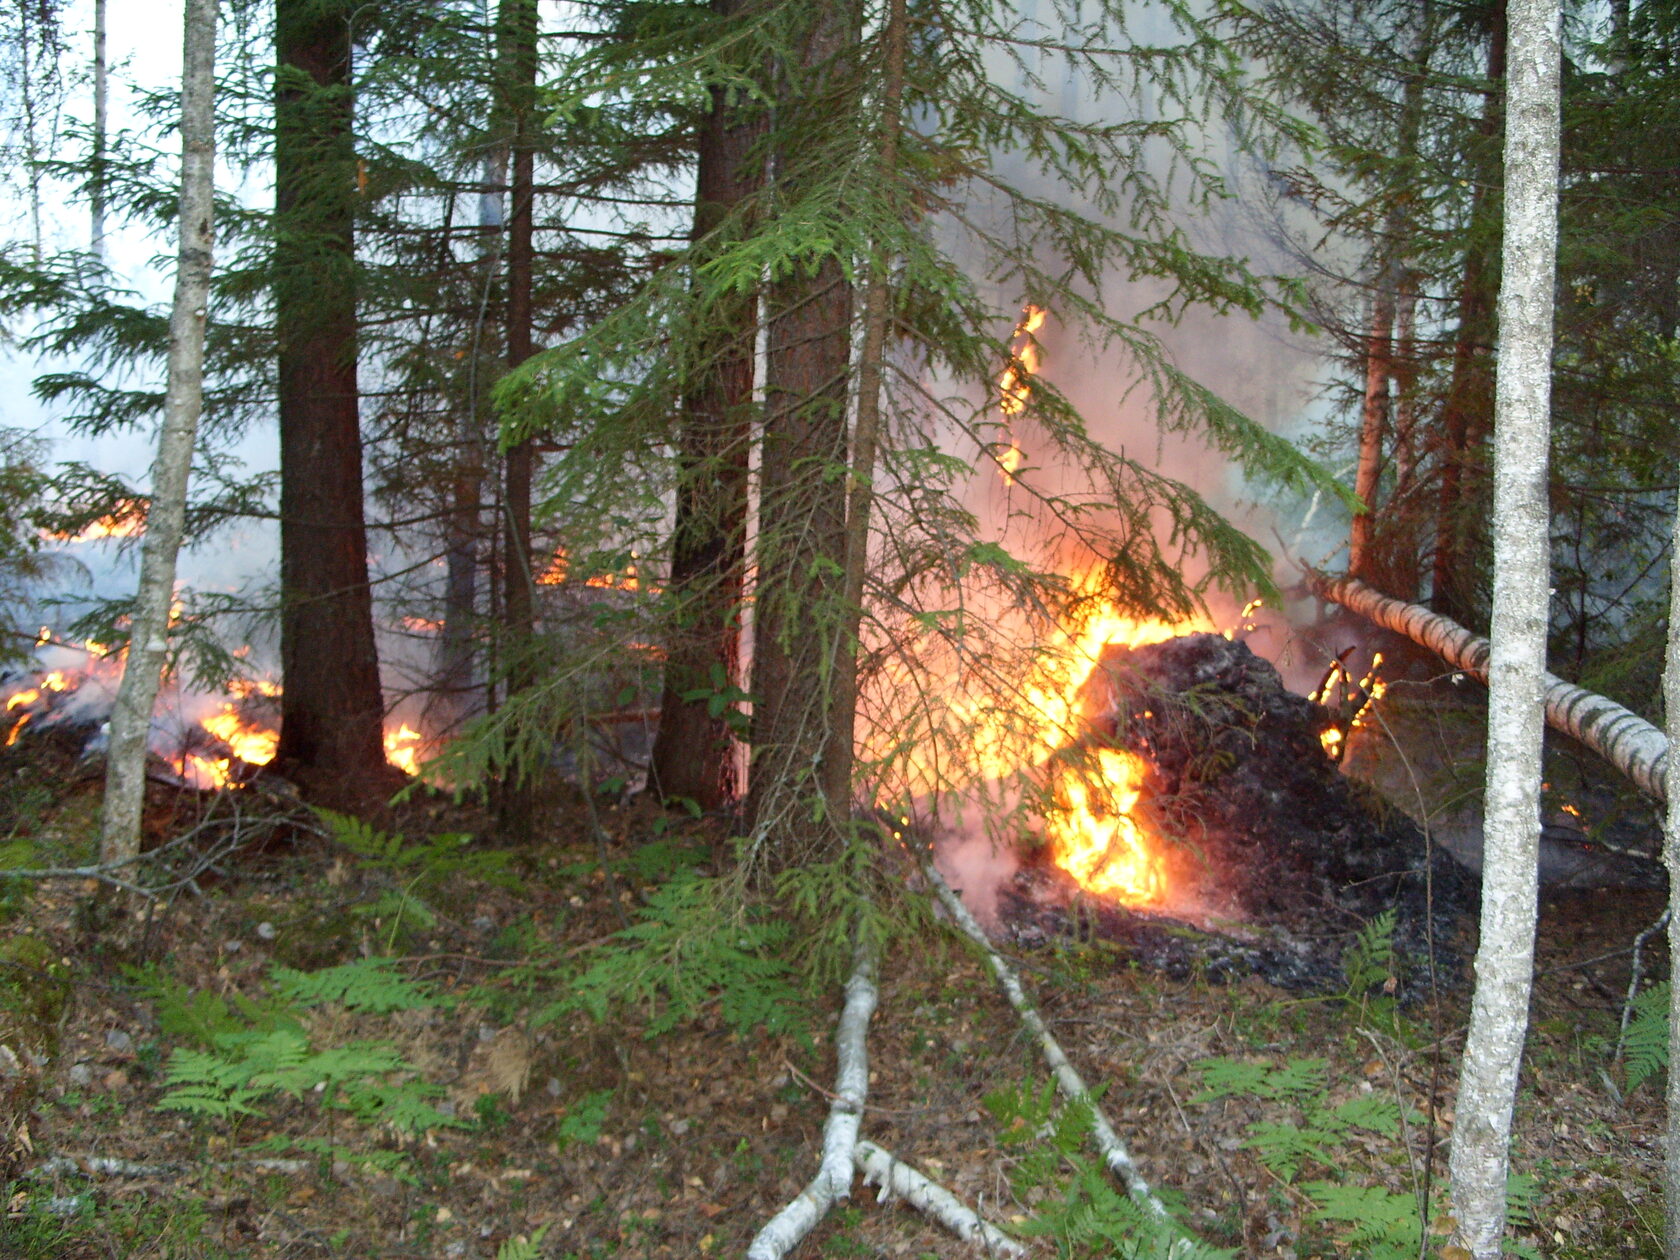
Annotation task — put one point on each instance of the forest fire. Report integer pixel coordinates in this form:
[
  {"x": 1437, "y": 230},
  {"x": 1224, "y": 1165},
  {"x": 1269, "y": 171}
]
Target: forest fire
[{"x": 217, "y": 750}]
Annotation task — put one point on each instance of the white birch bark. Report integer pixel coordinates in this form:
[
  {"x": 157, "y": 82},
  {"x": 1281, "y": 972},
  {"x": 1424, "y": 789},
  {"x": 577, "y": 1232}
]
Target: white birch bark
[
  {"x": 125, "y": 779},
  {"x": 101, "y": 94},
  {"x": 784, "y": 1231},
  {"x": 1487, "y": 1086},
  {"x": 898, "y": 1179},
  {"x": 1116, "y": 1157},
  {"x": 1671, "y": 859}
]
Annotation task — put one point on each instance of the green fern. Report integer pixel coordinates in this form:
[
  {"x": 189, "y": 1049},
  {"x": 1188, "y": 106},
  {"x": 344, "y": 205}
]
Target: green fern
[
  {"x": 1645, "y": 1045},
  {"x": 523, "y": 1248},
  {"x": 369, "y": 984},
  {"x": 1381, "y": 1225},
  {"x": 1237, "y": 1078},
  {"x": 693, "y": 945},
  {"x": 584, "y": 1119},
  {"x": 1368, "y": 963}
]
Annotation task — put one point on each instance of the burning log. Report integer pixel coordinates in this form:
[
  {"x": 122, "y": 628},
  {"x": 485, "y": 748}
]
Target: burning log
[{"x": 1624, "y": 739}]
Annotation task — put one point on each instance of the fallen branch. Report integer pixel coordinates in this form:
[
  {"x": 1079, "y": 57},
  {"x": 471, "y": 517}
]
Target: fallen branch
[
  {"x": 1073, "y": 1087},
  {"x": 105, "y": 1166},
  {"x": 833, "y": 1181},
  {"x": 1624, "y": 739},
  {"x": 899, "y": 1180}
]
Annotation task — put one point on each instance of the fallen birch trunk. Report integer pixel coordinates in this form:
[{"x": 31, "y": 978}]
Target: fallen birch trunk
[
  {"x": 1624, "y": 739},
  {"x": 897, "y": 1179},
  {"x": 833, "y": 1181},
  {"x": 1073, "y": 1087}
]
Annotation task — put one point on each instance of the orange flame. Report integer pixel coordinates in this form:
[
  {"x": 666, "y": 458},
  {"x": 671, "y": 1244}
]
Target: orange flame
[
  {"x": 402, "y": 749},
  {"x": 1095, "y": 836},
  {"x": 128, "y": 521}
]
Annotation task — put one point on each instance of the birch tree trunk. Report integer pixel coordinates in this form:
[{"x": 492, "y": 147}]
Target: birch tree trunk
[
  {"x": 1671, "y": 859},
  {"x": 1373, "y": 427},
  {"x": 101, "y": 94},
  {"x": 1505, "y": 958},
  {"x": 131, "y": 718}
]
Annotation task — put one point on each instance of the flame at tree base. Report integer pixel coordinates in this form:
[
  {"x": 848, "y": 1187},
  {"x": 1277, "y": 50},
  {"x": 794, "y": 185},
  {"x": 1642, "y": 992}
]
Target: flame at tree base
[{"x": 1094, "y": 835}]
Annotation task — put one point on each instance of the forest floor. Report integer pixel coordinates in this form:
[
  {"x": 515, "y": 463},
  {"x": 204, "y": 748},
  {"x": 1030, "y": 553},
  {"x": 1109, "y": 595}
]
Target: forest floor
[{"x": 262, "y": 1113}]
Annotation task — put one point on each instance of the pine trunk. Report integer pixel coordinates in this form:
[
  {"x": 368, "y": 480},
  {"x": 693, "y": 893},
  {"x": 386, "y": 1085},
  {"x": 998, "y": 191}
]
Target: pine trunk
[
  {"x": 1480, "y": 1158},
  {"x": 518, "y": 21},
  {"x": 131, "y": 717},
  {"x": 694, "y": 752},
  {"x": 331, "y": 709},
  {"x": 799, "y": 602}
]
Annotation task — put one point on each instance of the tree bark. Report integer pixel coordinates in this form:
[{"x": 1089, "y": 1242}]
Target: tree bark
[
  {"x": 798, "y": 612},
  {"x": 1373, "y": 427},
  {"x": 518, "y": 22},
  {"x": 1671, "y": 860},
  {"x": 101, "y": 96},
  {"x": 331, "y": 710},
  {"x": 1463, "y": 414},
  {"x": 131, "y": 717},
  {"x": 694, "y": 753},
  {"x": 1480, "y": 1157}
]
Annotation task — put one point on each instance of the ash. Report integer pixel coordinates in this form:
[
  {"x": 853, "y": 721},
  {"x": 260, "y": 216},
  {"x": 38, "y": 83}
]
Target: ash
[{"x": 1276, "y": 861}]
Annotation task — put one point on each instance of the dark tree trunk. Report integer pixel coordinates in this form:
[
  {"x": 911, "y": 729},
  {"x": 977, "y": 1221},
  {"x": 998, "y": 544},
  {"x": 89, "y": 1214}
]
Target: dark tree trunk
[
  {"x": 518, "y": 20},
  {"x": 332, "y": 709},
  {"x": 799, "y": 613},
  {"x": 694, "y": 752},
  {"x": 1466, "y": 415}
]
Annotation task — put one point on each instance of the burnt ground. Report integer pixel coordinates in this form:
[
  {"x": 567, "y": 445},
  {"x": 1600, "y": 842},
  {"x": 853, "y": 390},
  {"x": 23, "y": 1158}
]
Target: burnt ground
[{"x": 622, "y": 1143}]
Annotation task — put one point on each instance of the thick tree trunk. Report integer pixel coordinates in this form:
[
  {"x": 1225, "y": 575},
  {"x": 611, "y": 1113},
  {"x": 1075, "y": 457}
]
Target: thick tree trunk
[
  {"x": 799, "y": 604},
  {"x": 1469, "y": 395},
  {"x": 131, "y": 718},
  {"x": 694, "y": 753},
  {"x": 1487, "y": 1087},
  {"x": 331, "y": 711},
  {"x": 518, "y": 22}
]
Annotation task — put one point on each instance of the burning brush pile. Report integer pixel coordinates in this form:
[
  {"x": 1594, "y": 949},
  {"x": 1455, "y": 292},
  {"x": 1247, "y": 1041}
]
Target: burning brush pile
[{"x": 1198, "y": 823}]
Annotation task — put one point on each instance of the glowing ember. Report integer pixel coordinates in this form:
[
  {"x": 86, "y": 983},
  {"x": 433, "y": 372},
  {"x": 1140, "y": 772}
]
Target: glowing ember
[
  {"x": 402, "y": 749},
  {"x": 1015, "y": 384},
  {"x": 1368, "y": 690},
  {"x": 1095, "y": 836}
]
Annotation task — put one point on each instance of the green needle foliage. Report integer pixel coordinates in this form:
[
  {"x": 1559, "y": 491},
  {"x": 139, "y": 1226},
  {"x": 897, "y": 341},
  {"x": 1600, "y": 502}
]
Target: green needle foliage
[{"x": 993, "y": 200}]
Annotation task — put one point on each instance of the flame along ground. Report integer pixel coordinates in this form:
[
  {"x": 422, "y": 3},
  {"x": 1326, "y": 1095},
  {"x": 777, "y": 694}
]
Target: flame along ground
[{"x": 237, "y": 739}]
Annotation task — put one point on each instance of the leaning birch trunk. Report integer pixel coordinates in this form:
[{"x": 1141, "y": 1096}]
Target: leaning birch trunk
[
  {"x": 1116, "y": 1157},
  {"x": 1624, "y": 739},
  {"x": 125, "y": 779},
  {"x": 783, "y": 1232},
  {"x": 1487, "y": 1087},
  {"x": 896, "y": 1178},
  {"x": 1671, "y": 859}
]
